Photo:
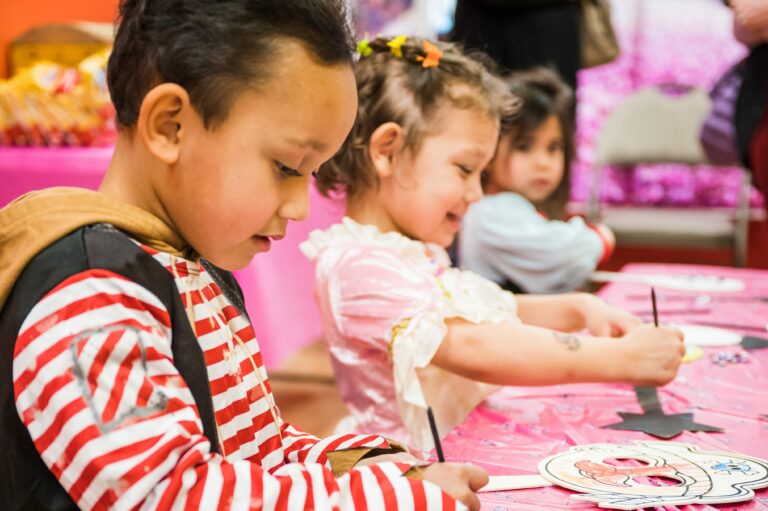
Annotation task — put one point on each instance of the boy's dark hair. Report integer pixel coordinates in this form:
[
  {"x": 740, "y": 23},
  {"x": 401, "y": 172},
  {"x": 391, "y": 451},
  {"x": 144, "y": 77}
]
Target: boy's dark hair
[
  {"x": 398, "y": 88},
  {"x": 215, "y": 49},
  {"x": 543, "y": 95}
]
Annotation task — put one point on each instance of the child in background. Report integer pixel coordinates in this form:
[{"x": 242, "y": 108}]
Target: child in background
[
  {"x": 407, "y": 330},
  {"x": 505, "y": 237},
  {"x": 131, "y": 377}
]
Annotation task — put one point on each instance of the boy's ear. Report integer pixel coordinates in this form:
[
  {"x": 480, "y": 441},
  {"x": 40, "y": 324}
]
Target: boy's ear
[
  {"x": 160, "y": 121},
  {"x": 386, "y": 142}
]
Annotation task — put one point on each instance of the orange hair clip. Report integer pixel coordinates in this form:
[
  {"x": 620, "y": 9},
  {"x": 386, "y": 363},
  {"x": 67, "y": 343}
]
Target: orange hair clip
[{"x": 432, "y": 57}]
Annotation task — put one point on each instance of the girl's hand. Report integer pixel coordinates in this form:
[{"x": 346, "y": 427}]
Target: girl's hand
[
  {"x": 604, "y": 320},
  {"x": 652, "y": 355}
]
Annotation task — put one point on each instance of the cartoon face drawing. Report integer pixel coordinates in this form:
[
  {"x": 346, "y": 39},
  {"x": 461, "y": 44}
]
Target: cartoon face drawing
[
  {"x": 704, "y": 477},
  {"x": 729, "y": 467}
]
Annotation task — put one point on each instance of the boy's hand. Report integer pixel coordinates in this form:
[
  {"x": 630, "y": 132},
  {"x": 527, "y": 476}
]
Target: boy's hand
[
  {"x": 604, "y": 320},
  {"x": 459, "y": 480},
  {"x": 653, "y": 355}
]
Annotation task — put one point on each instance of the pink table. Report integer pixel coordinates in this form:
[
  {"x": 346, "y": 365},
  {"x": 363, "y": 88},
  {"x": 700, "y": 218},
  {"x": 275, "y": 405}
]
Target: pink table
[
  {"x": 517, "y": 427},
  {"x": 277, "y": 285}
]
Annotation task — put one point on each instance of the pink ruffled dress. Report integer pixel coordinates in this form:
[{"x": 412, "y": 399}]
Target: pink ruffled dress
[{"x": 384, "y": 300}]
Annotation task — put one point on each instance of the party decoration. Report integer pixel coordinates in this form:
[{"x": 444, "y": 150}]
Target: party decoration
[
  {"x": 364, "y": 47},
  {"x": 396, "y": 45},
  {"x": 432, "y": 57}
]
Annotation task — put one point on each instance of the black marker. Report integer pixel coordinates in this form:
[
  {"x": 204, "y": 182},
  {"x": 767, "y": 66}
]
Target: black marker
[{"x": 435, "y": 436}]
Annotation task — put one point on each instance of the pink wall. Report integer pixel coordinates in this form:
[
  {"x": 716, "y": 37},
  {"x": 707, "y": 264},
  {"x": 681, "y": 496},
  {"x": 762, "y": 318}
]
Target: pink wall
[{"x": 278, "y": 285}]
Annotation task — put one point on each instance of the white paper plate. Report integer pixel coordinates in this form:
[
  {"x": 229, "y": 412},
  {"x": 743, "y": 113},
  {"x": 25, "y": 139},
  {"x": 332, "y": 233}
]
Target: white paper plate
[
  {"x": 693, "y": 283},
  {"x": 709, "y": 336}
]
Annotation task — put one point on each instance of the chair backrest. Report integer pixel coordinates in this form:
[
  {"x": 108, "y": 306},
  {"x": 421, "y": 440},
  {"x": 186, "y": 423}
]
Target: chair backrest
[{"x": 651, "y": 126}]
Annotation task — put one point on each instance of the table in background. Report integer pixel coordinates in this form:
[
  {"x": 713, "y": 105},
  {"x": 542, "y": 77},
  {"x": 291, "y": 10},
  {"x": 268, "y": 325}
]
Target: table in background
[
  {"x": 277, "y": 285},
  {"x": 517, "y": 427}
]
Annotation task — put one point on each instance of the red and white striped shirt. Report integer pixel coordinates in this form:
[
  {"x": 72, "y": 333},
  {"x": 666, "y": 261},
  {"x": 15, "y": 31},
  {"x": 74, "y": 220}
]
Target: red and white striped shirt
[{"x": 96, "y": 387}]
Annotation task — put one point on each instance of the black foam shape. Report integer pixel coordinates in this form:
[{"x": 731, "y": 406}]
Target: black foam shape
[
  {"x": 653, "y": 421},
  {"x": 750, "y": 342},
  {"x": 660, "y": 425}
]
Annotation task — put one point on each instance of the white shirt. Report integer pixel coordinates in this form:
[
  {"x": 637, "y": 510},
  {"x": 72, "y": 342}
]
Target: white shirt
[{"x": 504, "y": 238}]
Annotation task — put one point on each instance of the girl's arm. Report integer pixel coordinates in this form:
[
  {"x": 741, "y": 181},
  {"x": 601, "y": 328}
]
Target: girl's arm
[
  {"x": 518, "y": 354},
  {"x": 572, "y": 312}
]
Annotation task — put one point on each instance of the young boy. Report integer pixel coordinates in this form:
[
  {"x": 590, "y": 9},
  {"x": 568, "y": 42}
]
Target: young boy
[{"x": 131, "y": 377}]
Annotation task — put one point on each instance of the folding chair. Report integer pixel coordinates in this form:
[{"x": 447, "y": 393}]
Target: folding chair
[{"x": 653, "y": 126}]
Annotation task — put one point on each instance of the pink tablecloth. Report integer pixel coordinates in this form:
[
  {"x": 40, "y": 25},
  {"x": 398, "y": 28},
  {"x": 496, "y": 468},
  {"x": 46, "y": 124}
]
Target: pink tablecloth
[
  {"x": 277, "y": 285},
  {"x": 517, "y": 427}
]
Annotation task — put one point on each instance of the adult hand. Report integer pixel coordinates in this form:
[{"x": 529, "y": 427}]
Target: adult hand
[{"x": 750, "y": 21}]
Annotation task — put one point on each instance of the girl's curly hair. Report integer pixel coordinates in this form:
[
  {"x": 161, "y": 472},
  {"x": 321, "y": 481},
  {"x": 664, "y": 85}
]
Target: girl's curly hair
[{"x": 396, "y": 86}]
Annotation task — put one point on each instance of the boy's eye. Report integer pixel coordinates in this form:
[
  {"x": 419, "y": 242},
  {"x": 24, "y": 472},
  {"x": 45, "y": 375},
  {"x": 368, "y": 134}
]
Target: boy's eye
[
  {"x": 464, "y": 170},
  {"x": 555, "y": 147},
  {"x": 286, "y": 170}
]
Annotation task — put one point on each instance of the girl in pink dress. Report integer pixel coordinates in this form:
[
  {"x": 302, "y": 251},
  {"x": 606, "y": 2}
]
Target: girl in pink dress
[{"x": 407, "y": 330}]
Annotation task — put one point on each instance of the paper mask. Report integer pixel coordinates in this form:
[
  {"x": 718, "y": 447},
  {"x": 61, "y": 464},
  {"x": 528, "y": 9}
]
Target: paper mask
[{"x": 705, "y": 477}]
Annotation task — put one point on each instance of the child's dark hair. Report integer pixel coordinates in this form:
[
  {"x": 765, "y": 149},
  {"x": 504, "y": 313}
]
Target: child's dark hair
[
  {"x": 215, "y": 49},
  {"x": 543, "y": 95},
  {"x": 395, "y": 84}
]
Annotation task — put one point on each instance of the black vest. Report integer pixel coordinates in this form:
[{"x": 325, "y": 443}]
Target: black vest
[{"x": 25, "y": 481}]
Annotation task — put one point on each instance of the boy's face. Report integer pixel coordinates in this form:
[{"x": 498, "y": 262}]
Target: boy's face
[
  {"x": 432, "y": 189},
  {"x": 235, "y": 188},
  {"x": 531, "y": 165}
]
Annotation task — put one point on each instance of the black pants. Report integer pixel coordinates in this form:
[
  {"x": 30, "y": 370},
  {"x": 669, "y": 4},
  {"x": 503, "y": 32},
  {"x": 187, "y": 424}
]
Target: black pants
[{"x": 522, "y": 37}]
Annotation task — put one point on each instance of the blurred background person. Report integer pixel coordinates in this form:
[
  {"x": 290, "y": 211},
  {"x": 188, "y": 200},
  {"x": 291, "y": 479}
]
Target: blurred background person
[{"x": 520, "y": 34}]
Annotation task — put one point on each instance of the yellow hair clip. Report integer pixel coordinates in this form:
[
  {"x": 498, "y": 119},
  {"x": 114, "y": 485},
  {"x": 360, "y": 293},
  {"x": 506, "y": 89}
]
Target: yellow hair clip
[
  {"x": 432, "y": 57},
  {"x": 396, "y": 45},
  {"x": 364, "y": 47}
]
